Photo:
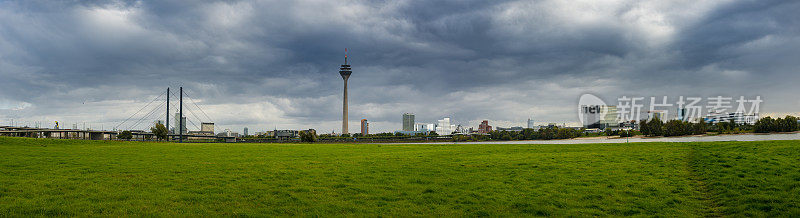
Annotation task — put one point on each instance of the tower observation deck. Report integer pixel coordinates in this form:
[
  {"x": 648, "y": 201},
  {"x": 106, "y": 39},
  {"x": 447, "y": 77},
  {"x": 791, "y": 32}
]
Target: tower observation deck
[{"x": 345, "y": 72}]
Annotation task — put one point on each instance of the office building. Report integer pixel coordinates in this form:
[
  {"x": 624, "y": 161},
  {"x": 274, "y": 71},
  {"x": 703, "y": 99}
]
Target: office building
[
  {"x": 484, "y": 127},
  {"x": 408, "y": 122},
  {"x": 603, "y": 116},
  {"x": 207, "y": 127},
  {"x": 737, "y": 117},
  {"x": 611, "y": 119},
  {"x": 682, "y": 114},
  {"x": 178, "y": 122},
  {"x": 245, "y": 131},
  {"x": 530, "y": 123},
  {"x": 424, "y": 127},
  {"x": 444, "y": 127},
  {"x": 364, "y": 127}
]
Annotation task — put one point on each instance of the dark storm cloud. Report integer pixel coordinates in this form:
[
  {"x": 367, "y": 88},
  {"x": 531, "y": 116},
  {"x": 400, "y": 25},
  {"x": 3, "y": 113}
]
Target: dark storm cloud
[
  {"x": 267, "y": 63},
  {"x": 734, "y": 25}
]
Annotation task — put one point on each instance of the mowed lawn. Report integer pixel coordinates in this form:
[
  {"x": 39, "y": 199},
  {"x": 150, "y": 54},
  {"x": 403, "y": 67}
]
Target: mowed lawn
[{"x": 72, "y": 177}]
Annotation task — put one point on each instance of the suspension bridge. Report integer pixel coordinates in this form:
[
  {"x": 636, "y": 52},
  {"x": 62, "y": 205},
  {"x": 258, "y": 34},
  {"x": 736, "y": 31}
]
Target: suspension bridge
[{"x": 140, "y": 121}]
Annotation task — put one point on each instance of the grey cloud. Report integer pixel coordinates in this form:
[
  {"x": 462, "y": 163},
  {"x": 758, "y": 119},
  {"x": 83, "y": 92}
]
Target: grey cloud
[{"x": 263, "y": 63}]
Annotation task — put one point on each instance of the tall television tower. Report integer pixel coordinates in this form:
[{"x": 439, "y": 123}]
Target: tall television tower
[{"x": 345, "y": 72}]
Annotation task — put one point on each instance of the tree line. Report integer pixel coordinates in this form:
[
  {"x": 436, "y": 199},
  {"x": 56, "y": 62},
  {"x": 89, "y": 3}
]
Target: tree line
[
  {"x": 767, "y": 124},
  {"x": 531, "y": 134},
  {"x": 656, "y": 127}
]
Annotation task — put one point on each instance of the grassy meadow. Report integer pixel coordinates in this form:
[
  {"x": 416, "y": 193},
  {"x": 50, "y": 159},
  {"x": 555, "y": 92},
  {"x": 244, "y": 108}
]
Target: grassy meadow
[{"x": 40, "y": 177}]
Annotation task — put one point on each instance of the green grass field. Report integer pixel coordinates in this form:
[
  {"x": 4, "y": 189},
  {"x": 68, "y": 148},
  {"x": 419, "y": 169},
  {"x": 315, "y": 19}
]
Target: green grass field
[{"x": 80, "y": 178}]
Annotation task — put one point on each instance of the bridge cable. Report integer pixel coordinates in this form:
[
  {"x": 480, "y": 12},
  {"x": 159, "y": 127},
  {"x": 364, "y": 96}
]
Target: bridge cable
[
  {"x": 198, "y": 107},
  {"x": 147, "y": 115},
  {"x": 140, "y": 109},
  {"x": 195, "y": 115}
]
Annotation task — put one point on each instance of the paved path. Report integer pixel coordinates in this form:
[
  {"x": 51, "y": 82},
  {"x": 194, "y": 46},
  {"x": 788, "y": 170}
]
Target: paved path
[{"x": 718, "y": 138}]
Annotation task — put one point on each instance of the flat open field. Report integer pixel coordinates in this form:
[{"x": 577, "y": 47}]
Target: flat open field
[{"x": 70, "y": 177}]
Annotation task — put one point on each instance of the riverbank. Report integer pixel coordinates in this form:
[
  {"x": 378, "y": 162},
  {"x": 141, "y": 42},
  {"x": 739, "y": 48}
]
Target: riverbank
[{"x": 605, "y": 139}]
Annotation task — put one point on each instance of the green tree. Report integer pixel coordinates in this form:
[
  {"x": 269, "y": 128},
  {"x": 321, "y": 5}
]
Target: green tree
[
  {"x": 308, "y": 136},
  {"x": 768, "y": 124},
  {"x": 609, "y": 132},
  {"x": 795, "y": 123},
  {"x": 764, "y": 125},
  {"x": 528, "y": 133},
  {"x": 700, "y": 127},
  {"x": 160, "y": 131},
  {"x": 494, "y": 135},
  {"x": 789, "y": 124},
  {"x": 548, "y": 133},
  {"x": 126, "y": 135},
  {"x": 627, "y": 133},
  {"x": 676, "y": 128},
  {"x": 644, "y": 127},
  {"x": 505, "y": 136},
  {"x": 655, "y": 127}
]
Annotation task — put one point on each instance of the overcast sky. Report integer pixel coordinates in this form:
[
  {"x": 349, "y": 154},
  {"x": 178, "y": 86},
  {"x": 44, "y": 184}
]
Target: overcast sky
[{"x": 268, "y": 64}]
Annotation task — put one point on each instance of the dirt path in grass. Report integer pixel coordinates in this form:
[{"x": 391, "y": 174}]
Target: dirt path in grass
[{"x": 712, "y": 208}]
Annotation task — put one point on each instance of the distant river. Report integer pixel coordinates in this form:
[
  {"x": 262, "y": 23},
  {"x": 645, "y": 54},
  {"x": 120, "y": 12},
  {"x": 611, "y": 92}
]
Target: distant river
[{"x": 717, "y": 138}]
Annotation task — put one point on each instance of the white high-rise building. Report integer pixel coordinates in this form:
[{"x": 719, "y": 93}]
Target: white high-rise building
[
  {"x": 419, "y": 127},
  {"x": 530, "y": 123},
  {"x": 444, "y": 127},
  {"x": 178, "y": 121},
  {"x": 424, "y": 127}
]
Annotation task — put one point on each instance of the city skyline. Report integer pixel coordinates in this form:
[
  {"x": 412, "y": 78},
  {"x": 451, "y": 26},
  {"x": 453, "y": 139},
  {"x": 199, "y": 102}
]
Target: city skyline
[{"x": 96, "y": 63}]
